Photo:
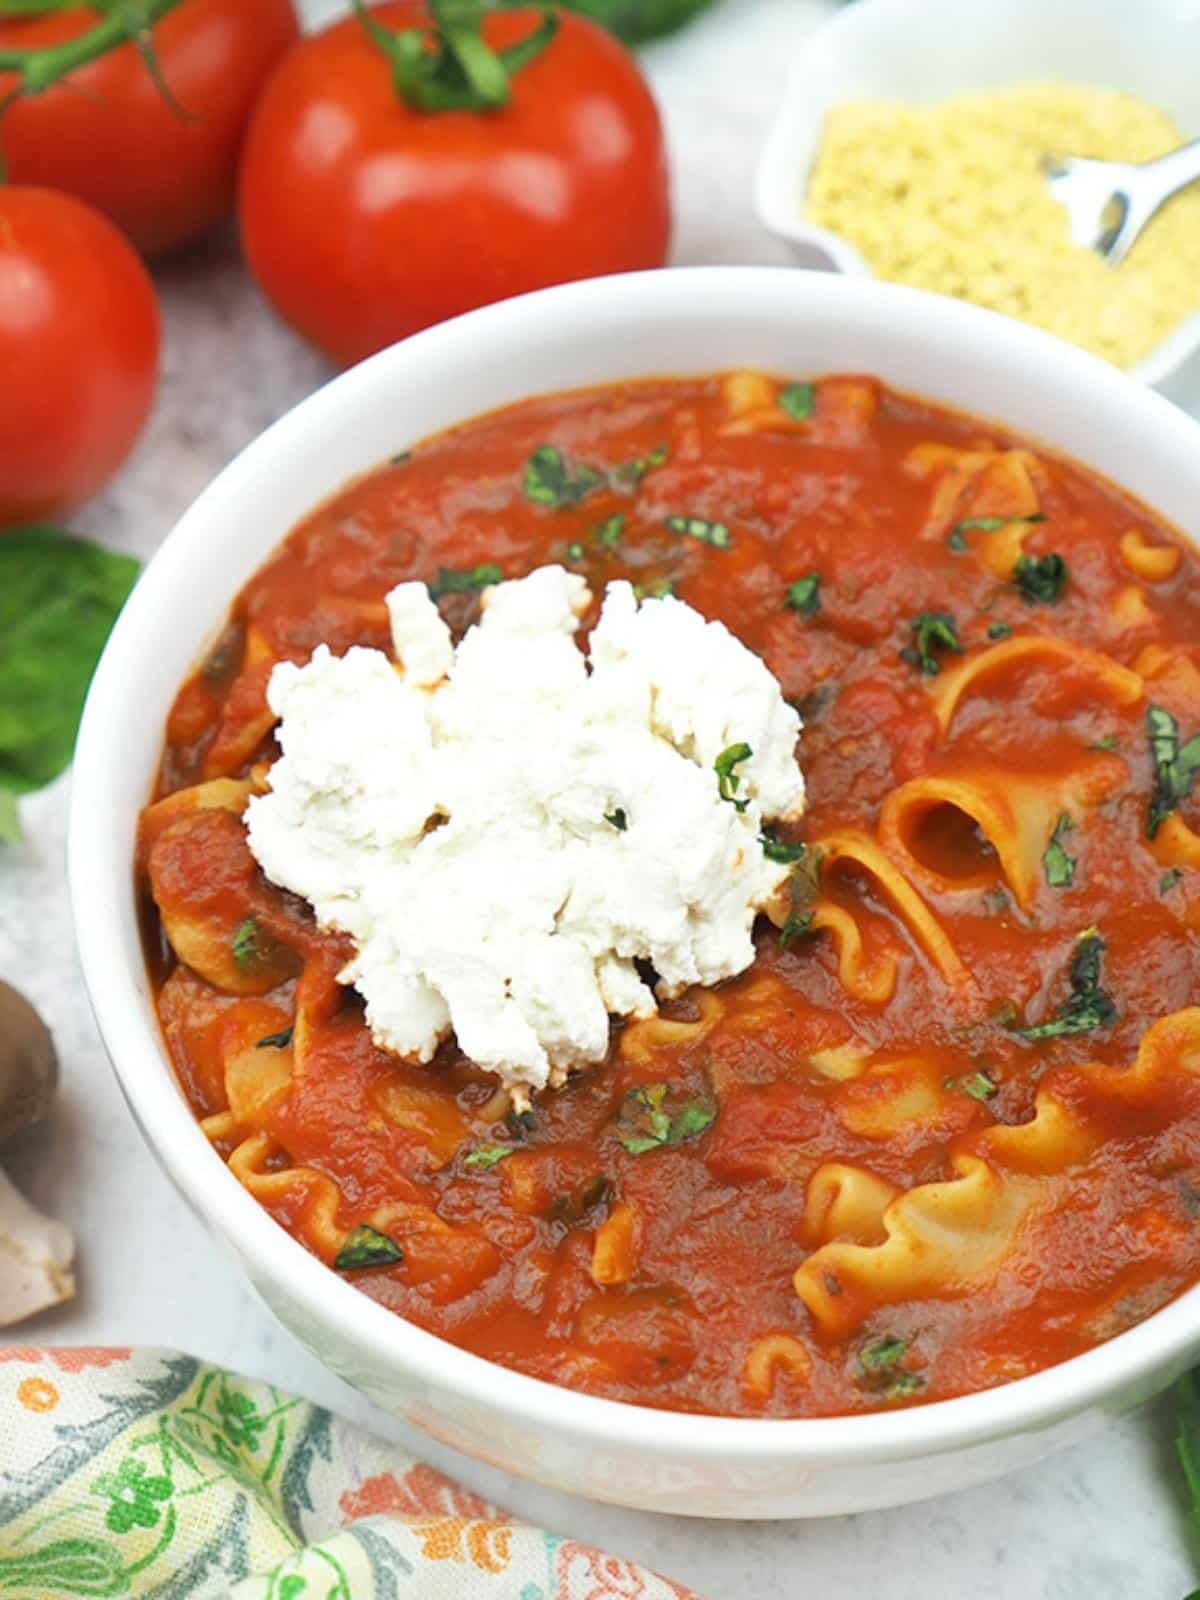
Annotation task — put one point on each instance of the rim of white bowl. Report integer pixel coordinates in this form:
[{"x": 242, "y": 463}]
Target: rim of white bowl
[
  {"x": 777, "y": 183},
  {"x": 102, "y": 892}
]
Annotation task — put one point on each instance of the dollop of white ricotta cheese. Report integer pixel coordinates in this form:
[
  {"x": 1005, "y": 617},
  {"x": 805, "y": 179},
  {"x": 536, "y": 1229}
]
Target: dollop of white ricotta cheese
[{"x": 505, "y": 828}]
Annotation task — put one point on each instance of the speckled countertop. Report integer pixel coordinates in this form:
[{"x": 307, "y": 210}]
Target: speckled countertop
[{"x": 1100, "y": 1523}]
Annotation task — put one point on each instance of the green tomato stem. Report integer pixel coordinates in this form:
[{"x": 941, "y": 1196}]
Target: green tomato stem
[{"x": 125, "y": 22}]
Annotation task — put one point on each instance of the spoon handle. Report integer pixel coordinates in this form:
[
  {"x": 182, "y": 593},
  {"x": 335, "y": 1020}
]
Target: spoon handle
[
  {"x": 1150, "y": 185},
  {"x": 1171, "y": 172}
]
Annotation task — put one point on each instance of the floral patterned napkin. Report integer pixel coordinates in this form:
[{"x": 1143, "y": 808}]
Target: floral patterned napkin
[{"x": 146, "y": 1473}]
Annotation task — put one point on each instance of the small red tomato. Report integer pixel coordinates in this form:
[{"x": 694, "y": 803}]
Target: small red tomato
[
  {"x": 162, "y": 165},
  {"x": 365, "y": 218},
  {"x": 79, "y": 337}
]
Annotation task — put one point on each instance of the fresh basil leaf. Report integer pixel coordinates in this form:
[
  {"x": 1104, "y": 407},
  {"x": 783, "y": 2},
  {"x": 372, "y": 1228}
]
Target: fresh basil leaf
[
  {"x": 804, "y": 596},
  {"x": 988, "y": 525},
  {"x": 1175, "y": 766},
  {"x": 780, "y": 850},
  {"x": 797, "y": 925},
  {"x": 646, "y": 1124},
  {"x": 10, "y": 820},
  {"x": 1041, "y": 579},
  {"x": 617, "y": 819},
  {"x": 1169, "y": 879},
  {"x": 713, "y": 533},
  {"x": 1057, "y": 864},
  {"x": 999, "y": 630},
  {"x": 932, "y": 630},
  {"x": 798, "y": 400},
  {"x": 608, "y": 533},
  {"x": 1088, "y": 1006},
  {"x": 549, "y": 481},
  {"x": 729, "y": 781},
  {"x": 275, "y": 1041},
  {"x": 467, "y": 580},
  {"x": 487, "y": 1155},
  {"x": 636, "y": 21},
  {"x": 1187, "y": 1436},
  {"x": 365, "y": 1246},
  {"x": 245, "y": 944},
  {"x": 59, "y": 598}
]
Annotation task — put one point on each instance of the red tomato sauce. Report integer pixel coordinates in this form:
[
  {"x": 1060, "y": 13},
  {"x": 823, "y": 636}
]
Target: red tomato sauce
[{"x": 499, "y": 1255}]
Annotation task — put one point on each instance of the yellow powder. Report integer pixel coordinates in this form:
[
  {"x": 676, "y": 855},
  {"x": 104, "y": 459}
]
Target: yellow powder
[{"x": 951, "y": 197}]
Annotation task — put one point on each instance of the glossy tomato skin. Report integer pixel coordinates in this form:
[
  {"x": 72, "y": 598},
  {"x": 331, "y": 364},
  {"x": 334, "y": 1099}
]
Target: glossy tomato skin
[
  {"x": 110, "y": 137},
  {"x": 364, "y": 219},
  {"x": 79, "y": 340}
]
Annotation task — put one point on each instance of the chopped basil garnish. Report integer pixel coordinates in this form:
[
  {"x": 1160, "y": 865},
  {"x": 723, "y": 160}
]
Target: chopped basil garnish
[
  {"x": 713, "y": 533},
  {"x": 1169, "y": 879},
  {"x": 365, "y": 1246},
  {"x": 245, "y": 944},
  {"x": 798, "y": 400},
  {"x": 1175, "y": 766},
  {"x": 904, "y": 1385},
  {"x": 520, "y": 1123},
  {"x": 607, "y": 534},
  {"x": 550, "y": 482},
  {"x": 617, "y": 819},
  {"x": 728, "y": 781},
  {"x": 1041, "y": 579},
  {"x": 574, "y": 552},
  {"x": 662, "y": 589},
  {"x": 933, "y": 630},
  {"x": 1111, "y": 742},
  {"x": 487, "y": 1155},
  {"x": 881, "y": 1355},
  {"x": 1087, "y": 1006},
  {"x": 468, "y": 580},
  {"x": 804, "y": 596},
  {"x": 634, "y": 471},
  {"x": 646, "y": 1123},
  {"x": 1057, "y": 863},
  {"x": 275, "y": 1041},
  {"x": 797, "y": 925},
  {"x": 779, "y": 849},
  {"x": 999, "y": 630},
  {"x": 400, "y": 457},
  {"x": 957, "y": 540},
  {"x": 804, "y": 886}
]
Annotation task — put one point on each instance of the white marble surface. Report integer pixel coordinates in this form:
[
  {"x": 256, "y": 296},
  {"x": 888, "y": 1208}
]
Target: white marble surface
[{"x": 1101, "y": 1523}]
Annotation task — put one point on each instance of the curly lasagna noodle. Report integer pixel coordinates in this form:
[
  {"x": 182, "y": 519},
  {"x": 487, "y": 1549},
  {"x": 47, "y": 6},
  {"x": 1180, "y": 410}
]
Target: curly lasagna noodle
[{"x": 506, "y": 963}]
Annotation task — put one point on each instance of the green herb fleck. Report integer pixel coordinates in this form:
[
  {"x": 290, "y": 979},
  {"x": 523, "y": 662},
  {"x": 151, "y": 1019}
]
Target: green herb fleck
[
  {"x": 487, "y": 1155},
  {"x": 881, "y": 1355},
  {"x": 1169, "y": 879},
  {"x": 617, "y": 819},
  {"x": 957, "y": 541},
  {"x": 804, "y": 596},
  {"x": 607, "y": 534},
  {"x": 999, "y": 630},
  {"x": 574, "y": 552},
  {"x": 728, "y": 781},
  {"x": 779, "y": 849},
  {"x": 1187, "y": 1438},
  {"x": 468, "y": 580},
  {"x": 275, "y": 1041},
  {"x": 647, "y": 1124},
  {"x": 798, "y": 924},
  {"x": 1088, "y": 1006},
  {"x": 978, "y": 1085},
  {"x": 1110, "y": 742},
  {"x": 904, "y": 1385},
  {"x": 1175, "y": 766},
  {"x": 365, "y": 1246},
  {"x": 245, "y": 944},
  {"x": 713, "y": 533},
  {"x": 550, "y": 482},
  {"x": 932, "y": 630},
  {"x": 10, "y": 820},
  {"x": 661, "y": 589},
  {"x": 634, "y": 471},
  {"x": 1057, "y": 864},
  {"x": 1041, "y": 579},
  {"x": 798, "y": 400}
]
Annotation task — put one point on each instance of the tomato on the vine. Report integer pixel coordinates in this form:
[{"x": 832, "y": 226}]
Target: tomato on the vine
[
  {"x": 158, "y": 157},
  {"x": 398, "y": 171},
  {"x": 79, "y": 336}
]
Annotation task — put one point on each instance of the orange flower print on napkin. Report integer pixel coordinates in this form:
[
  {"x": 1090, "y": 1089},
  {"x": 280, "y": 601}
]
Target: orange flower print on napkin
[
  {"x": 586, "y": 1574},
  {"x": 451, "y": 1523}
]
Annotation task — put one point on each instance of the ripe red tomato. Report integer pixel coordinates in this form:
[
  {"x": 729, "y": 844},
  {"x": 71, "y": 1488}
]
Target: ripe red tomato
[
  {"x": 78, "y": 352},
  {"x": 109, "y": 135},
  {"x": 364, "y": 219}
]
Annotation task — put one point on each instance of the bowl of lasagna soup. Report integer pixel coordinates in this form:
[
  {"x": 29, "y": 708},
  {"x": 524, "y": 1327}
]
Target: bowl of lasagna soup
[{"x": 637, "y": 858}]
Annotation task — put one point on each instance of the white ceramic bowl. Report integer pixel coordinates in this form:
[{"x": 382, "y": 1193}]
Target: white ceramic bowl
[
  {"x": 685, "y": 321},
  {"x": 926, "y": 50}
]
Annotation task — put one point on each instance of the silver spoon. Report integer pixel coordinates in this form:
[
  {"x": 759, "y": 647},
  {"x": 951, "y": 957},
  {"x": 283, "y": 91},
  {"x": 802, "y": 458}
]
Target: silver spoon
[{"x": 1109, "y": 202}]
